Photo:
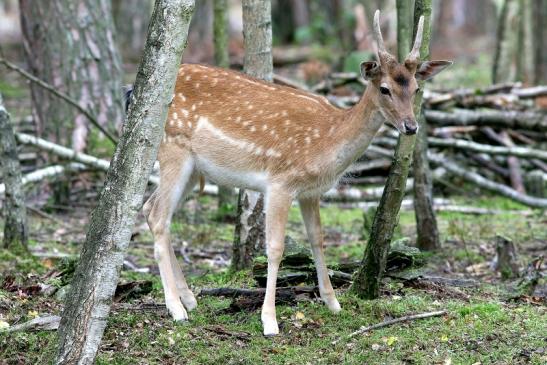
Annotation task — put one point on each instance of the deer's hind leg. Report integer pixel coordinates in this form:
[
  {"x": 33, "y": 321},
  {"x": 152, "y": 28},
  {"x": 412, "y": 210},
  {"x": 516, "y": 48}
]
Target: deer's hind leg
[{"x": 177, "y": 178}]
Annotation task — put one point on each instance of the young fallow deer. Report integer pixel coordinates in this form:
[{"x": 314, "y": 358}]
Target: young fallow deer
[{"x": 286, "y": 143}]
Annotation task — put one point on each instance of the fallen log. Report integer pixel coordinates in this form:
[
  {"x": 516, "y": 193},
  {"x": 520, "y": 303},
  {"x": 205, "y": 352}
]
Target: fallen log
[
  {"x": 516, "y": 151},
  {"x": 529, "y": 120},
  {"x": 47, "y": 172},
  {"x": 484, "y": 183}
]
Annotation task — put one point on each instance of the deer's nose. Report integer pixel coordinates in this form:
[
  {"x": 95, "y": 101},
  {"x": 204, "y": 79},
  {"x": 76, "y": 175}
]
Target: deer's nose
[{"x": 410, "y": 126}]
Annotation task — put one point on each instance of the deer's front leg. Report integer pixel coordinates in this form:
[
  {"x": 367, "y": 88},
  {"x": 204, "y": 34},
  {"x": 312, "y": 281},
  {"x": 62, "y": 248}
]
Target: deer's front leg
[
  {"x": 312, "y": 220},
  {"x": 277, "y": 211}
]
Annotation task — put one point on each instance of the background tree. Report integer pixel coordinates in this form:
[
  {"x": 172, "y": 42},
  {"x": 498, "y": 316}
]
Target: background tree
[
  {"x": 70, "y": 45},
  {"x": 131, "y": 19},
  {"x": 88, "y": 303},
  {"x": 426, "y": 221},
  {"x": 15, "y": 214},
  {"x": 258, "y": 62},
  {"x": 222, "y": 59}
]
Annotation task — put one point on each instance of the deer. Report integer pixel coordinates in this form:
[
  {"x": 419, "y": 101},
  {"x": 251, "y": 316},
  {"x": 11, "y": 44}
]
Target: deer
[{"x": 286, "y": 143}]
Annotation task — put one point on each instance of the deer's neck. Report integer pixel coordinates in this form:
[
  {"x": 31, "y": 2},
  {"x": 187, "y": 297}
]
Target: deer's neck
[{"x": 360, "y": 125}]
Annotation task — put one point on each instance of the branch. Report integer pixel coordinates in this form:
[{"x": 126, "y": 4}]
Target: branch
[
  {"x": 493, "y": 118},
  {"x": 484, "y": 183},
  {"x": 47, "y": 172},
  {"x": 60, "y": 95},
  {"x": 412, "y": 317}
]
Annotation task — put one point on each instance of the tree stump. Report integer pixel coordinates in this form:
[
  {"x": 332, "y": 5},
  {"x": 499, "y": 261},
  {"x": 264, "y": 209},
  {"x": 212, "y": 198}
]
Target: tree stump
[{"x": 505, "y": 261}]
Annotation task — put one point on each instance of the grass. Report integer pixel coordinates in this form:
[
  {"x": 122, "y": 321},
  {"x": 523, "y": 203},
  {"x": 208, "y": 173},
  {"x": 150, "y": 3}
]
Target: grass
[{"x": 481, "y": 326}]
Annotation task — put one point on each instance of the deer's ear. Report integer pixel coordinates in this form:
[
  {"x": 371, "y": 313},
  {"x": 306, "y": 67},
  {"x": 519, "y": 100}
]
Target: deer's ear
[
  {"x": 370, "y": 70},
  {"x": 428, "y": 69}
]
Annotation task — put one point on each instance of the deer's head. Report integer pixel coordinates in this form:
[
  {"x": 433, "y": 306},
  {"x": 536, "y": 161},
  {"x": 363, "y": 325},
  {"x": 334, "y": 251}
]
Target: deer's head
[{"x": 396, "y": 84}]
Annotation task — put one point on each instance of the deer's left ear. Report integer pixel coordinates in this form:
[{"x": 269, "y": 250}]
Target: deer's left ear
[{"x": 428, "y": 69}]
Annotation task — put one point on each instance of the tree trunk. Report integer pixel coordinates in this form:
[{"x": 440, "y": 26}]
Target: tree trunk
[
  {"x": 540, "y": 34},
  {"x": 69, "y": 44},
  {"x": 88, "y": 303},
  {"x": 404, "y": 30},
  {"x": 368, "y": 277},
  {"x": 503, "y": 68},
  {"x": 426, "y": 222},
  {"x": 222, "y": 59},
  {"x": 525, "y": 47},
  {"x": 131, "y": 19},
  {"x": 258, "y": 62},
  {"x": 15, "y": 214}
]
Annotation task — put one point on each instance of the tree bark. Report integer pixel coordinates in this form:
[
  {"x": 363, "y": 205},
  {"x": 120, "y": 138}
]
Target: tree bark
[
  {"x": 15, "y": 213},
  {"x": 525, "y": 46},
  {"x": 88, "y": 303},
  {"x": 70, "y": 45},
  {"x": 131, "y": 18},
  {"x": 222, "y": 59},
  {"x": 368, "y": 277},
  {"x": 258, "y": 62}
]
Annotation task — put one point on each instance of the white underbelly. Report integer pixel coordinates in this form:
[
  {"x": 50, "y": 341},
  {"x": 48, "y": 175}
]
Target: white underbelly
[{"x": 228, "y": 177}]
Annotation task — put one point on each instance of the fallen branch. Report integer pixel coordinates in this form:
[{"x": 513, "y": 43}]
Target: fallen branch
[
  {"x": 47, "y": 172},
  {"x": 493, "y": 118},
  {"x": 60, "y": 95},
  {"x": 413, "y": 317},
  {"x": 49, "y": 323},
  {"x": 483, "y": 182},
  {"x": 485, "y": 148}
]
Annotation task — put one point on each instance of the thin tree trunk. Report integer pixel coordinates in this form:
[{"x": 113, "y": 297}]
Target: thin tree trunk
[
  {"x": 226, "y": 196},
  {"x": 258, "y": 62},
  {"x": 404, "y": 30},
  {"x": 504, "y": 68},
  {"x": 368, "y": 277},
  {"x": 15, "y": 214},
  {"x": 88, "y": 303},
  {"x": 540, "y": 35},
  {"x": 525, "y": 47},
  {"x": 426, "y": 222},
  {"x": 131, "y": 19}
]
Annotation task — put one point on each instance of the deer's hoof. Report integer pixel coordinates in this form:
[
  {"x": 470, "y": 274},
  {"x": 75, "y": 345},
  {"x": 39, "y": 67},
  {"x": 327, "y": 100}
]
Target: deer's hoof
[
  {"x": 177, "y": 311},
  {"x": 270, "y": 328}
]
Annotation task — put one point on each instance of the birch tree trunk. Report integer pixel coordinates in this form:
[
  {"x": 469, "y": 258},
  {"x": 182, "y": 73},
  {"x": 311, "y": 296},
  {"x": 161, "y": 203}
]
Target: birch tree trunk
[
  {"x": 367, "y": 280},
  {"x": 426, "y": 221},
  {"x": 88, "y": 303},
  {"x": 15, "y": 214},
  {"x": 222, "y": 59},
  {"x": 258, "y": 62}
]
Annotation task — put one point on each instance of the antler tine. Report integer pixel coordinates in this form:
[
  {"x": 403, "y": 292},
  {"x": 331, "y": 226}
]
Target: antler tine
[
  {"x": 415, "y": 53},
  {"x": 378, "y": 32}
]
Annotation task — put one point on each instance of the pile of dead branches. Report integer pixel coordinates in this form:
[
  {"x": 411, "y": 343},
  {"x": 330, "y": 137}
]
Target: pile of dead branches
[{"x": 493, "y": 138}]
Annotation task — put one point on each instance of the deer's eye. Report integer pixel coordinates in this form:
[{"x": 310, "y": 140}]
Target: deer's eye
[{"x": 385, "y": 90}]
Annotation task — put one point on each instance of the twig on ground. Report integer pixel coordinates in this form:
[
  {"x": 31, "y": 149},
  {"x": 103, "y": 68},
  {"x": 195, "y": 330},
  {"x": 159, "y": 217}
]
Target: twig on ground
[{"x": 412, "y": 317}]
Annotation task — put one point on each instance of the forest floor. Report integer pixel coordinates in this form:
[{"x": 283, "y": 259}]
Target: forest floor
[{"x": 484, "y": 324}]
